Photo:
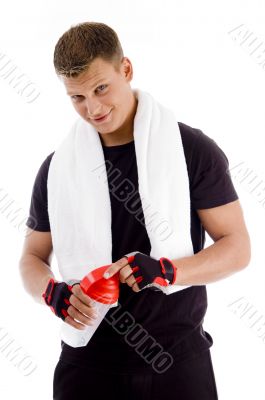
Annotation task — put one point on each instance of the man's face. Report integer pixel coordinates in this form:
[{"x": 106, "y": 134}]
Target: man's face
[{"x": 102, "y": 91}]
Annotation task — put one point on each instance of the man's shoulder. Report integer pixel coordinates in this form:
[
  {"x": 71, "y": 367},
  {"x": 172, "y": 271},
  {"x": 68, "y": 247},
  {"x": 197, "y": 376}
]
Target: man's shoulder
[
  {"x": 190, "y": 137},
  {"x": 42, "y": 174},
  {"x": 48, "y": 159},
  {"x": 46, "y": 163},
  {"x": 195, "y": 138},
  {"x": 188, "y": 133}
]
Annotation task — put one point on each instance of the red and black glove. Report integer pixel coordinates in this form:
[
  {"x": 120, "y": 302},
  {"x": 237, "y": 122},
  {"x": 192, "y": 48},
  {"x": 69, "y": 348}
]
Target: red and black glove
[
  {"x": 147, "y": 270},
  {"x": 56, "y": 296}
]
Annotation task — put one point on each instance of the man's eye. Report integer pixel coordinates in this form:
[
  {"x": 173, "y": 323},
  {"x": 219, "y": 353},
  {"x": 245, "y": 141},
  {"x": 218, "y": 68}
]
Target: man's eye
[
  {"x": 101, "y": 87},
  {"x": 76, "y": 97}
]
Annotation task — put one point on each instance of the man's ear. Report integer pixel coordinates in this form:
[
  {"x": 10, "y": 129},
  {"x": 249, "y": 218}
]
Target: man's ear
[{"x": 127, "y": 69}]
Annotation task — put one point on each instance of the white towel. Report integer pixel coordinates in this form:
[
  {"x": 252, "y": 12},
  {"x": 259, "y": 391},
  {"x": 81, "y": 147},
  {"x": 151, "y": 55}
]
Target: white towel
[{"x": 78, "y": 196}]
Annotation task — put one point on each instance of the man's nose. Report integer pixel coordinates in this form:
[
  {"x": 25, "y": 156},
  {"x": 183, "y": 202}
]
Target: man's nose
[{"x": 93, "y": 107}]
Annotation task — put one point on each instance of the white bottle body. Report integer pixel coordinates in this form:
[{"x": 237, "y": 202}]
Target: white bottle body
[{"x": 79, "y": 338}]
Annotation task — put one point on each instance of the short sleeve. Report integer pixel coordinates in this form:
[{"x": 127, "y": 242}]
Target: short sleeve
[
  {"x": 38, "y": 218},
  {"x": 211, "y": 184}
]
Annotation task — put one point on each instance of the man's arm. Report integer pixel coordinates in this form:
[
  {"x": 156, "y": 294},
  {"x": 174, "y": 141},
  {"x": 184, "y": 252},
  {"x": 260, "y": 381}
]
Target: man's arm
[
  {"x": 34, "y": 264},
  {"x": 36, "y": 272},
  {"x": 230, "y": 253}
]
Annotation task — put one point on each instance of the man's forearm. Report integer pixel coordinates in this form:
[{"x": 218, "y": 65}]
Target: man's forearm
[
  {"x": 226, "y": 256},
  {"x": 35, "y": 274}
]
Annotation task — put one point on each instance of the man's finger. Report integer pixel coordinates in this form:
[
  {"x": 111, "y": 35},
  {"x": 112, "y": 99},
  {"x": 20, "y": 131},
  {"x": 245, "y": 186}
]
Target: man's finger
[
  {"x": 78, "y": 292},
  {"x": 115, "y": 267},
  {"x": 135, "y": 287}
]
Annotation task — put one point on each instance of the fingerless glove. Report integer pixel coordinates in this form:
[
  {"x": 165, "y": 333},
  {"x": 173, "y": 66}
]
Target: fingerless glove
[
  {"x": 147, "y": 270},
  {"x": 56, "y": 296}
]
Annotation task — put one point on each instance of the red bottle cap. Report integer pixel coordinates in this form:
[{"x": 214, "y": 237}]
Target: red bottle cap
[{"x": 100, "y": 289}]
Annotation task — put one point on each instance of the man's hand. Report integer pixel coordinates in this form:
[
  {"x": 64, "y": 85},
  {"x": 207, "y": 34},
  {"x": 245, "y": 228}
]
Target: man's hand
[
  {"x": 70, "y": 303},
  {"x": 125, "y": 275},
  {"x": 139, "y": 271}
]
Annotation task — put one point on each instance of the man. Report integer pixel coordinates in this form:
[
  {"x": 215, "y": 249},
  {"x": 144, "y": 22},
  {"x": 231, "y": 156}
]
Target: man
[{"x": 89, "y": 60}]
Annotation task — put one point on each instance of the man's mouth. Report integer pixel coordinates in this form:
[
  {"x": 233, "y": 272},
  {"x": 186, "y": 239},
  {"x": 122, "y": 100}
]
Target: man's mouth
[{"x": 102, "y": 118}]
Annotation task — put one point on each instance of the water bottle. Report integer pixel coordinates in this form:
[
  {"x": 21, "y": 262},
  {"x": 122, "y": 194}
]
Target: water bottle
[{"x": 104, "y": 294}]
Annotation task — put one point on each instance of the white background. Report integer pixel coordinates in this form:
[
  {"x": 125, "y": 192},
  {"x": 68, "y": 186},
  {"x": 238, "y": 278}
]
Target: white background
[{"x": 183, "y": 54}]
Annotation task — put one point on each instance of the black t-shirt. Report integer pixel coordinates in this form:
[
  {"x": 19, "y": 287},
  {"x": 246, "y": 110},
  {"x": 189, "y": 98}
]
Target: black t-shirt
[{"x": 174, "y": 321}]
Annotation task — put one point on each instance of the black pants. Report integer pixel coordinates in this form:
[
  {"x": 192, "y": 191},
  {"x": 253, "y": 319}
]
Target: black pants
[{"x": 190, "y": 380}]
